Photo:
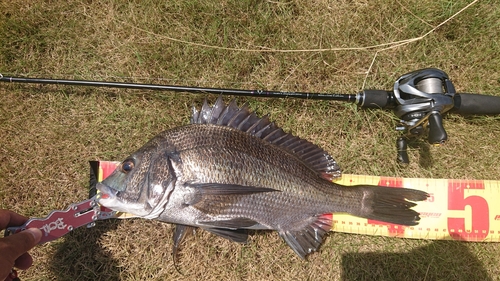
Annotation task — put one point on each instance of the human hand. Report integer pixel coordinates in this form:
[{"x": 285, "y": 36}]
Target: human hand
[{"x": 14, "y": 248}]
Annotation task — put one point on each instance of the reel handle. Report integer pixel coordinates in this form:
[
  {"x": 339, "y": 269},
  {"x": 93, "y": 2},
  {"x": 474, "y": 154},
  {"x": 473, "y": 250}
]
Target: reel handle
[{"x": 437, "y": 134}]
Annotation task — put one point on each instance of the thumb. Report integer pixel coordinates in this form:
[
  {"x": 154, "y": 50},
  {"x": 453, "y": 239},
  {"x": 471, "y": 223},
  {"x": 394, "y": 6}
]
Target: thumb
[{"x": 19, "y": 243}]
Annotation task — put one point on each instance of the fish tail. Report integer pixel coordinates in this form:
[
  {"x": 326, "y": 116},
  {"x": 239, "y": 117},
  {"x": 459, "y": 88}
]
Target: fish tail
[{"x": 390, "y": 204}]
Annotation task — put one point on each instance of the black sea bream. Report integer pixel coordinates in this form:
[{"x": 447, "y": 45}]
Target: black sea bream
[{"x": 230, "y": 171}]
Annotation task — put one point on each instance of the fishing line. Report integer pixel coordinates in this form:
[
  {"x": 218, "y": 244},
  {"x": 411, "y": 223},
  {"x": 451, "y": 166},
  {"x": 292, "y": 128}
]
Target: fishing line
[{"x": 384, "y": 46}]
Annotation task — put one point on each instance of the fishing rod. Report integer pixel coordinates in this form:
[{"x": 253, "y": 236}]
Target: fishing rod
[
  {"x": 140, "y": 86},
  {"x": 419, "y": 99}
]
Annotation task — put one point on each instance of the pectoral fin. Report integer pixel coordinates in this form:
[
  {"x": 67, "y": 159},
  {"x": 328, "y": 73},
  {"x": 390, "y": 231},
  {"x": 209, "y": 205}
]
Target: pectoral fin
[
  {"x": 218, "y": 189},
  {"x": 238, "y": 235},
  {"x": 215, "y": 198},
  {"x": 232, "y": 224}
]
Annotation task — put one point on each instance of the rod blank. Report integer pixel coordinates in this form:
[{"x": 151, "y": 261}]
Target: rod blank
[{"x": 199, "y": 90}]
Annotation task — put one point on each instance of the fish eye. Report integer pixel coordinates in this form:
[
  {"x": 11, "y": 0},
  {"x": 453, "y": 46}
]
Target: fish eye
[{"x": 127, "y": 166}]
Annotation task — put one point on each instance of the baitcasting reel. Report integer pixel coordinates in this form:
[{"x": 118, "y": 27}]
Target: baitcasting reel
[
  {"x": 419, "y": 99},
  {"x": 422, "y": 97}
]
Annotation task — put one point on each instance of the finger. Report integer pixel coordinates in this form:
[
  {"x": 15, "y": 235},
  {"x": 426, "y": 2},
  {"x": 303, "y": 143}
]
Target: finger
[
  {"x": 7, "y": 275},
  {"x": 24, "y": 261},
  {"x": 17, "y": 244},
  {"x": 9, "y": 218},
  {"x": 5, "y": 270}
]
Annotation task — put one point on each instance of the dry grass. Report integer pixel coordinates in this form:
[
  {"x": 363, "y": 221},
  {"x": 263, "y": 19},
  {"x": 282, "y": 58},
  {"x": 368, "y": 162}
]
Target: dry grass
[{"x": 49, "y": 133}]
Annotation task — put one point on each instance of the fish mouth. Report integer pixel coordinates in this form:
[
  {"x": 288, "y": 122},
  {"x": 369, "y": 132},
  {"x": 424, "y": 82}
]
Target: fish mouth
[
  {"x": 110, "y": 198},
  {"x": 105, "y": 192},
  {"x": 107, "y": 197}
]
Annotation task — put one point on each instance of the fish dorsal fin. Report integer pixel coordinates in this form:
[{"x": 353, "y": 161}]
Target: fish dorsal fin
[{"x": 243, "y": 119}]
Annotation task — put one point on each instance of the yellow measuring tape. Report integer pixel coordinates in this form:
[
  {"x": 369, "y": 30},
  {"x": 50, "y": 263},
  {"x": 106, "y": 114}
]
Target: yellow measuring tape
[{"x": 456, "y": 209}]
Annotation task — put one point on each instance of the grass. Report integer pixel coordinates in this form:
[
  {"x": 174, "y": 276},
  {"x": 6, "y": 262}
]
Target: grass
[{"x": 49, "y": 133}]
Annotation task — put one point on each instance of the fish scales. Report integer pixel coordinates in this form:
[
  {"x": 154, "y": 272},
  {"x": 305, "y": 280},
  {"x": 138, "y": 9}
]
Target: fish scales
[
  {"x": 230, "y": 171},
  {"x": 225, "y": 155}
]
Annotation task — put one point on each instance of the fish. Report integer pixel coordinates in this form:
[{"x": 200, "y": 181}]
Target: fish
[{"x": 229, "y": 172}]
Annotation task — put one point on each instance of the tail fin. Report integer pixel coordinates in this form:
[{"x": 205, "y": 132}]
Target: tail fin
[{"x": 390, "y": 204}]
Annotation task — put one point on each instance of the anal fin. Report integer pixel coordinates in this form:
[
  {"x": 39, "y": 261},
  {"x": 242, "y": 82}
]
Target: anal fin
[{"x": 307, "y": 239}]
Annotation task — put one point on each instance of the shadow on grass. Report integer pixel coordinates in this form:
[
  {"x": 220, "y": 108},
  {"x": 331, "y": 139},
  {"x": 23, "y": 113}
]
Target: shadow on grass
[
  {"x": 440, "y": 260},
  {"x": 81, "y": 257}
]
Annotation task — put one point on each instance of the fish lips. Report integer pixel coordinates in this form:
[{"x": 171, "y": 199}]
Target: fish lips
[
  {"x": 106, "y": 195},
  {"x": 110, "y": 198}
]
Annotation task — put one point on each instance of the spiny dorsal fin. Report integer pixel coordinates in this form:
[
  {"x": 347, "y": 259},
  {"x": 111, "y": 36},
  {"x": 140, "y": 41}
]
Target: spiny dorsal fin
[{"x": 243, "y": 119}]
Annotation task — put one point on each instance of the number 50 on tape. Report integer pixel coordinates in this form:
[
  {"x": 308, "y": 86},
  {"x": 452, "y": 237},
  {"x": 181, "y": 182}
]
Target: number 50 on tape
[{"x": 464, "y": 210}]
